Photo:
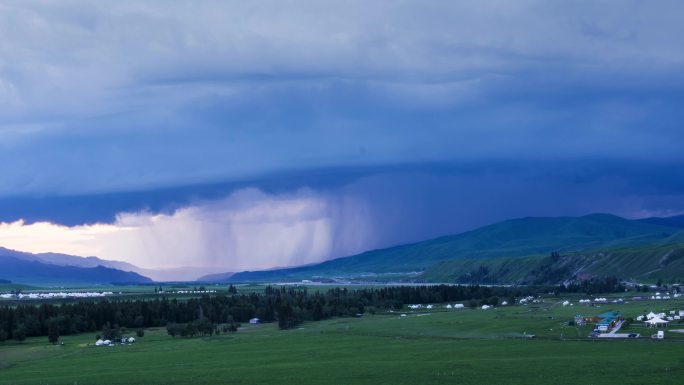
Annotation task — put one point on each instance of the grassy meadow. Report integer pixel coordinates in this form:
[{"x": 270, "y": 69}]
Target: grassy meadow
[{"x": 436, "y": 346}]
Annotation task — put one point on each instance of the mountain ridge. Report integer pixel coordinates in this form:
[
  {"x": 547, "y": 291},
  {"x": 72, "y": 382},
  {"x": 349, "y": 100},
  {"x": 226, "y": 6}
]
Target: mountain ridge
[
  {"x": 36, "y": 272},
  {"x": 510, "y": 238}
]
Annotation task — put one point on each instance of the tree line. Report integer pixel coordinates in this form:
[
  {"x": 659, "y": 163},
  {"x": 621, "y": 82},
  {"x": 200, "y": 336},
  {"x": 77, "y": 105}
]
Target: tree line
[{"x": 288, "y": 306}]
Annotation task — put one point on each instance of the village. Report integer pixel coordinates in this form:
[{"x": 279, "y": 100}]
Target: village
[
  {"x": 55, "y": 295},
  {"x": 606, "y": 325}
]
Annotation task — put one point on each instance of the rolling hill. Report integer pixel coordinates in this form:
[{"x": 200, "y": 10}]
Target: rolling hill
[
  {"x": 675, "y": 221},
  {"x": 41, "y": 273},
  {"x": 512, "y": 238},
  {"x": 644, "y": 264},
  {"x": 183, "y": 273},
  {"x": 220, "y": 277},
  {"x": 67, "y": 260}
]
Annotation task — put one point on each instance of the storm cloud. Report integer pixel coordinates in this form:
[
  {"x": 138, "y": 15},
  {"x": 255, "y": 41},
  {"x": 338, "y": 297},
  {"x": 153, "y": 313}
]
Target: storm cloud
[{"x": 387, "y": 122}]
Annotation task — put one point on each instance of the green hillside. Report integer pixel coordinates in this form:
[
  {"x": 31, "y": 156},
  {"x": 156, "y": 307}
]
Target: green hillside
[
  {"x": 662, "y": 260},
  {"x": 512, "y": 238}
]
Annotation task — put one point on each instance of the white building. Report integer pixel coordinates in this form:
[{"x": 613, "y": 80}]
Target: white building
[{"x": 656, "y": 322}]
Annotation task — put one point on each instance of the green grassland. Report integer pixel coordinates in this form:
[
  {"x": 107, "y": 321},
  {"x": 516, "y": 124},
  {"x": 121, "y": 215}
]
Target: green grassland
[{"x": 436, "y": 346}]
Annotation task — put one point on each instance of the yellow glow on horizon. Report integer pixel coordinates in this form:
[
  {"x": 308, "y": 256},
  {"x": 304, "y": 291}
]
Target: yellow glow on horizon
[{"x": 246, "y": 230}]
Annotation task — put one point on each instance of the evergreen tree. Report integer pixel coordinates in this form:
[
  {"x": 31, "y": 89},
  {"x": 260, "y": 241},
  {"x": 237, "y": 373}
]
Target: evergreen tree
[
  {"x": 19, "y": 333},
  {"x": 53, "y": 331}
]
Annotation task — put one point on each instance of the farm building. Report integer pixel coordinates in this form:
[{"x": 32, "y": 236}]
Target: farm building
[{"x": 604, "y": 322}]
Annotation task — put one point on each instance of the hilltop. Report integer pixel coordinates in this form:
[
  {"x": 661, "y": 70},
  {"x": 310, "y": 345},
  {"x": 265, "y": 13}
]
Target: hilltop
[
  {"x": 491, "y": 244},
  {"x": 39, "y": 269}
]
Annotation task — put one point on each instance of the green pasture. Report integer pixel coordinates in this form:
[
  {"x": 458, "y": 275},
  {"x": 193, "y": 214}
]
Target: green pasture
[{"x": 436, "y": 346}]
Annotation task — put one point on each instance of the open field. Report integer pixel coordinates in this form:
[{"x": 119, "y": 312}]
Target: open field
[{"x": 435, "y": 346}]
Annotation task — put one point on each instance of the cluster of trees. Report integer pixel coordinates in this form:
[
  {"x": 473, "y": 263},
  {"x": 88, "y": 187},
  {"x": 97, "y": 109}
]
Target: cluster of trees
[
  {"x": 479, "y": 276},
  {"x": 201, "y": 327},
  {"x": 594, "y": 286},
  {"x": 199, "y": 316}
]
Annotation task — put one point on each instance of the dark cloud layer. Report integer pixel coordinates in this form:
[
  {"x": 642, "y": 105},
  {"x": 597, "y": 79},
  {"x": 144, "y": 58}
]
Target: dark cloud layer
[{"x": 404, "y": 119}]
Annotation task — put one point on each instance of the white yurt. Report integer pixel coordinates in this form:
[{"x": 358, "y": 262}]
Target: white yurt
[
  {"x": 656, "y": 321},
  {"x": 99, "y": 343}
]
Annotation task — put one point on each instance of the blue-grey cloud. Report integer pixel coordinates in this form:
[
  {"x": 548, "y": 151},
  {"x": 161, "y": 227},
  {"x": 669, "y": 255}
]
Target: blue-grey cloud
[
  {"x": 432, "y": 118},
  {"x": 112, "y": 96}
]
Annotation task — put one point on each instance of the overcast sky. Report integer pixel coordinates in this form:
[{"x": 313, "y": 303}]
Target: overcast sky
[{"x": 246, "y": 135}]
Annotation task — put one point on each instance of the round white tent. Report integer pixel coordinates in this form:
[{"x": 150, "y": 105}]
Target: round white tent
[{"x": 656, "y": 321}]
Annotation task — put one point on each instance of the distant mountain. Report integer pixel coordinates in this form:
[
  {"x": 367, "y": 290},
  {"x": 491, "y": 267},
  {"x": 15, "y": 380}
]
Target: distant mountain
[
  {"x": 512, "y": 238},
  {"x": 68, "y": 260},
  {"x": 675, "y": 221},
  {"x": 184, "y": 273},
  {"x": 41, "y": 273},
  {"x": 221, "y": 277},
  {"x": 177, "y": 274}
]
